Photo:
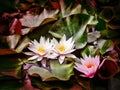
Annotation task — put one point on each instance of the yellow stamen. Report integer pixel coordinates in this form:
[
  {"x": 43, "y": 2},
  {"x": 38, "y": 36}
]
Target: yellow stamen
[
  {"x": 61, "y": 48},
  {"x": 41, "y": 49}
]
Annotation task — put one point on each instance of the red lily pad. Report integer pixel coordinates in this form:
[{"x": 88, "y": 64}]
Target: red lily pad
[
  {"x": 7, "y": 51},
  {"x": 108, "y": 69}
]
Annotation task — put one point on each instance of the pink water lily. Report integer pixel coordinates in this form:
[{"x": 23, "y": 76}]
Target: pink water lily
[
  {"x": 63, "y": 48},
  {"x": 88, "y": 66}
]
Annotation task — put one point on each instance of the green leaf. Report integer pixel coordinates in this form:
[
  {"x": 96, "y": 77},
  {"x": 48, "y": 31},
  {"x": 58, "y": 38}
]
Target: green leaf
[
  {"x": 69, "y": 7},
  {"x": 75, "y": 26},
  {"x": 101, "y": 24},
  {"x": 41, "y": 31},
  {"x": 22, "y": 45},
  {"x": 90, "y": 50},
  {"x": 105, "y": 45},
  {"x": 71, "y": 84},
  {"x": 92, "y": 36},
  {"x": 58, "y": 71}
]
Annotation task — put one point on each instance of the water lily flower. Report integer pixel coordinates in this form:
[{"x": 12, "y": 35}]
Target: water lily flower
[
  {"x": 88, "y": 66},
  {"x": 63, "y": 48},
  {"x": 40, "y": 49}
]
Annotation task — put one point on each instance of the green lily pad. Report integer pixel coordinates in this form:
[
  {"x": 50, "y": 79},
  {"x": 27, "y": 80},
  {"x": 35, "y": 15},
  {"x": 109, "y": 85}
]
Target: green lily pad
[
  {"x": 57, "y": 71},
  {"x": 74, "y": 25},
  {"x": 68, "y": 8},
  {"x": 22, "y": 45},
  {"x": 105, "y": 45},
  {"x": 90, "y": 50}
]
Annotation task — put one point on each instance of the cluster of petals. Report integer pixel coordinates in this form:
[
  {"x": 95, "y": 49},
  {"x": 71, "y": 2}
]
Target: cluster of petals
[
  {"x": 40, "y": 50},
  {"x": 51, "y": 49},
  {"x": 88, "y": 66}
]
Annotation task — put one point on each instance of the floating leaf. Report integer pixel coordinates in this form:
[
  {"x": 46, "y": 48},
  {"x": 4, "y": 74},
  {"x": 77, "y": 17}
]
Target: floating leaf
[
  {"x": 71, "y": 84},
  {"x": 90, "y": 50},
  {"x": 75, "y": 26},
  {"x": 108, "y": 69},
  {"x": 68, "y": 8},
  {"x": 31, "y": 21},
  {"x": 15, "y": 27},
  {"x": 10, "y": 83},
  {"x": 10, "y": 65},
  {"x": 58, "y": 71},
  {"x": 22, "y": 45},
  {"x": 13, "y": 40},
  {"x": 105, "y": 45},
  {"x": 55, "y": 4},
  {"x": 92, "y": 36},
  {"x": 107, "y": 14},
  {"x": 7, "y": 51},
  {"x": 28, "y": 85},
  {"x": 41, "y": 31},
  {"x": 101, "y": 25}
]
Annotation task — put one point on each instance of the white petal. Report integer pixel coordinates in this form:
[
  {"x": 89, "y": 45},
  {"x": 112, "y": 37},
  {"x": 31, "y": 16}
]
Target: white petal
[
  {"x": 29, "y": 53},
  {"x": 63, "y": 39},
  {"x": 33, "y": 57},
  {"x": 70, "y": 40},
  {"x": 40, "y": 58},
  {"x": 52, "y": 56},
  {"x": 33, "y": 49},
  {"x": 69, "y": 51},
  {"x": 71, "y": 56},
  {"x": 35, "y": 43},
  {"x": 42, "y": 40},
  {"x": 61, "y": 59},
  {"x": 43, "y": 62},
  {"x": 47, "y": 41},
  {"x": 54, "y": 41}
]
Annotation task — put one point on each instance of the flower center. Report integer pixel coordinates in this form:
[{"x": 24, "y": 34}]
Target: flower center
[
  {"x": 90, "y": 65},
  {"x": 61, "y": 48},
  {"x": 41, "y": 49}
]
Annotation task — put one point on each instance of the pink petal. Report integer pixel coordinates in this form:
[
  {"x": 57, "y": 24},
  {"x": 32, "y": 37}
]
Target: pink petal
[{"x": 101, "y": 64}]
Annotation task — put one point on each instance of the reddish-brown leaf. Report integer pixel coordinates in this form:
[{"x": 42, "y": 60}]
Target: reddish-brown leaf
[
  {"x": 6, "y": 51},
  {"x": 15, "y": 27},
  {"x": 55, "y": 4},
  {"x": 28, "y": 85},
  {"x": 108, "y": 69}
]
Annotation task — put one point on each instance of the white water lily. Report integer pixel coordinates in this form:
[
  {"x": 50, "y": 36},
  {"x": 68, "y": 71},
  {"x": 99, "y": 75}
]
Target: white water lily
[
  {"x": 40, "y": 49},
  {"x": 63, "y": 48}
]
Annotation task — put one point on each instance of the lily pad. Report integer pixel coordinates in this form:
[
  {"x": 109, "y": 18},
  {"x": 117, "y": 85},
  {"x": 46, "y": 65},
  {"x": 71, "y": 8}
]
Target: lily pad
[
  {"x": 57, "y": 71},
  {"x": 90, "y": 50},
  {"x": 74, "y": 25},
  {"x": 105, "y": 45}
]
